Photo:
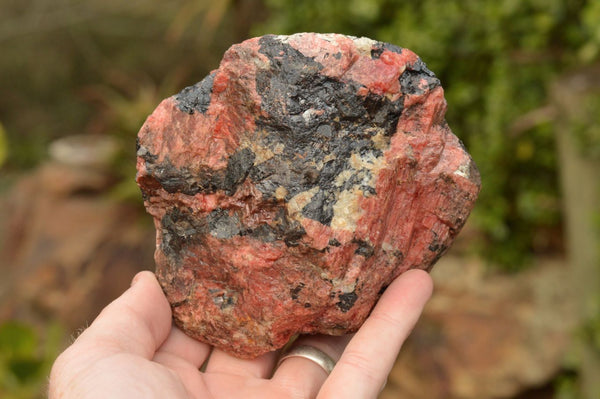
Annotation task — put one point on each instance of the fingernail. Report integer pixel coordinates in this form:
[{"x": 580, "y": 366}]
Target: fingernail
[{"x": 135, "y": 279}]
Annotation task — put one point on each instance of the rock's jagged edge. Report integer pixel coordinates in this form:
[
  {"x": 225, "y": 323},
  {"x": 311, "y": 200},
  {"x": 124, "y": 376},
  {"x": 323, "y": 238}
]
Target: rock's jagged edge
[{"x": 292, "y": 184}]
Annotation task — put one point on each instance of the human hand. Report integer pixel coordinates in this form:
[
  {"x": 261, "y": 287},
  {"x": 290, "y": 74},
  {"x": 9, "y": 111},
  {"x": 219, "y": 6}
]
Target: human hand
[{"x": 131, "y": 350}]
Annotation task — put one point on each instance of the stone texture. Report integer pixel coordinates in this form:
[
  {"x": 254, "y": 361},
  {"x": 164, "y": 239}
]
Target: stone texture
[{"x": 292, "y": 184}]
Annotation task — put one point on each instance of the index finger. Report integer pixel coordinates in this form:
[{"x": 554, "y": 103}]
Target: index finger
[{"x": 365, "y": 364}]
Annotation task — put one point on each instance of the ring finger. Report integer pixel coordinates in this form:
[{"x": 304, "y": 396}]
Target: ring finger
[{"x": 312, "y": 374}]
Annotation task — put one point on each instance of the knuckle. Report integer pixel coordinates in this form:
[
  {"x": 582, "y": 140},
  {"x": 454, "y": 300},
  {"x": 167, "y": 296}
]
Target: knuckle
[
  {"x": 388, "y": 320},
  {"x": 362, "y": 365}
]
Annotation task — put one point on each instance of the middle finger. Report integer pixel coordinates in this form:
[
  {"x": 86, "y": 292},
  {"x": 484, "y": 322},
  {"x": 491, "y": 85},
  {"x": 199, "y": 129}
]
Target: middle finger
[{"x": 302, "y": 377}]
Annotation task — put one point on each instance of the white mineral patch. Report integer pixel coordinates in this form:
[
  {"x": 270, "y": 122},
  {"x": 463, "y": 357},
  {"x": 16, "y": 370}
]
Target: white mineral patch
[
  {"x": 280, "y": 192},
  {"x": 364, "y": 45},
  {"x": 261, "y": 153},
  {"x": 370, "y": 162},
  {"x": 346, "y": 211},
  {"x": 463, "y": 171},
  {"x": 299, "y": 201},
  {"x": 309, "y": 114},
  {"x": 343, "y": 177},
  {"x": 381, "y": 142}
]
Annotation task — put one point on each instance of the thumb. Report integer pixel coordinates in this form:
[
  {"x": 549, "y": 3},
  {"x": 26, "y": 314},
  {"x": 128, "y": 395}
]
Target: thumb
[{"x": 137, "y": 322}]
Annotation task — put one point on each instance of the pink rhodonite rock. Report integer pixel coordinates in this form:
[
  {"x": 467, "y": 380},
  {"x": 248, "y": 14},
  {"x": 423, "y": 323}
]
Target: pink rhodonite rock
[{"x": 295, "y": 182}]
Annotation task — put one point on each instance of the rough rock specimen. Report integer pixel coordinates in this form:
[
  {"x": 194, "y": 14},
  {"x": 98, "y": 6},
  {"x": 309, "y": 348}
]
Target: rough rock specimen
[{"x": 292, "y": 184}]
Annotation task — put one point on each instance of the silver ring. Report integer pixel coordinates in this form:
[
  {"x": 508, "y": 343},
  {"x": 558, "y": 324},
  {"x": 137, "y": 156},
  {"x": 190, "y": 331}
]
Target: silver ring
[{"x": 311, "y": 353}]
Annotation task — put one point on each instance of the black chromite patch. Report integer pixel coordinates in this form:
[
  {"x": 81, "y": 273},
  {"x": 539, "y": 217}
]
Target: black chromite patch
[
  {"x": 380, "y": 47},
  {"x": 411, "y": 79},
  {"x": 205, "y": 180},
  {"x": 181, "y": 228},
  {"x": 197, "y": 97},
  {"x": 315, "y": 124},
  {"x": 346, "y": 301}
]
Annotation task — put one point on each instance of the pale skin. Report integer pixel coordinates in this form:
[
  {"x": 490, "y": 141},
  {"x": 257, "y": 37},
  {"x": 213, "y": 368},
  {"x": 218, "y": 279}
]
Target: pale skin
[{"x": 132, "y": 350}]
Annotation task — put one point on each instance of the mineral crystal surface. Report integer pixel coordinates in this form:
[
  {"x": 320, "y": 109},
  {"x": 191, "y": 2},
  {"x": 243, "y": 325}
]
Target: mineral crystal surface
[{"x": 295, "y": 182}]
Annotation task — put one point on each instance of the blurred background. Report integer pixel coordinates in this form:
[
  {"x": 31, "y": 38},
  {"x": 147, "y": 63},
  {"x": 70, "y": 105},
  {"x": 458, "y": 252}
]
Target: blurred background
[{"x": 516, "y": 312}]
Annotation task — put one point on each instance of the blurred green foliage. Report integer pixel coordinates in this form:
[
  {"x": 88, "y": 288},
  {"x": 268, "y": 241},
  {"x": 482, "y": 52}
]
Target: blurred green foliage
[
  {"x": 25, "y": 359},
  {"x": 3, "y": 145},
  {"x": 101, "y": 67},
  {"x": 586, "y": 126},
  {"x": 496, "y": 59},
  {"x": 566, "y": 387},
  {"x": 61, "y": 58},
  {"x": 587, "y": 339}
]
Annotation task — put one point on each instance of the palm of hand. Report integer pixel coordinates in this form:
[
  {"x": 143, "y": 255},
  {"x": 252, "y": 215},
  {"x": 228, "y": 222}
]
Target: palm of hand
[{"x": 132, "y": 351}]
